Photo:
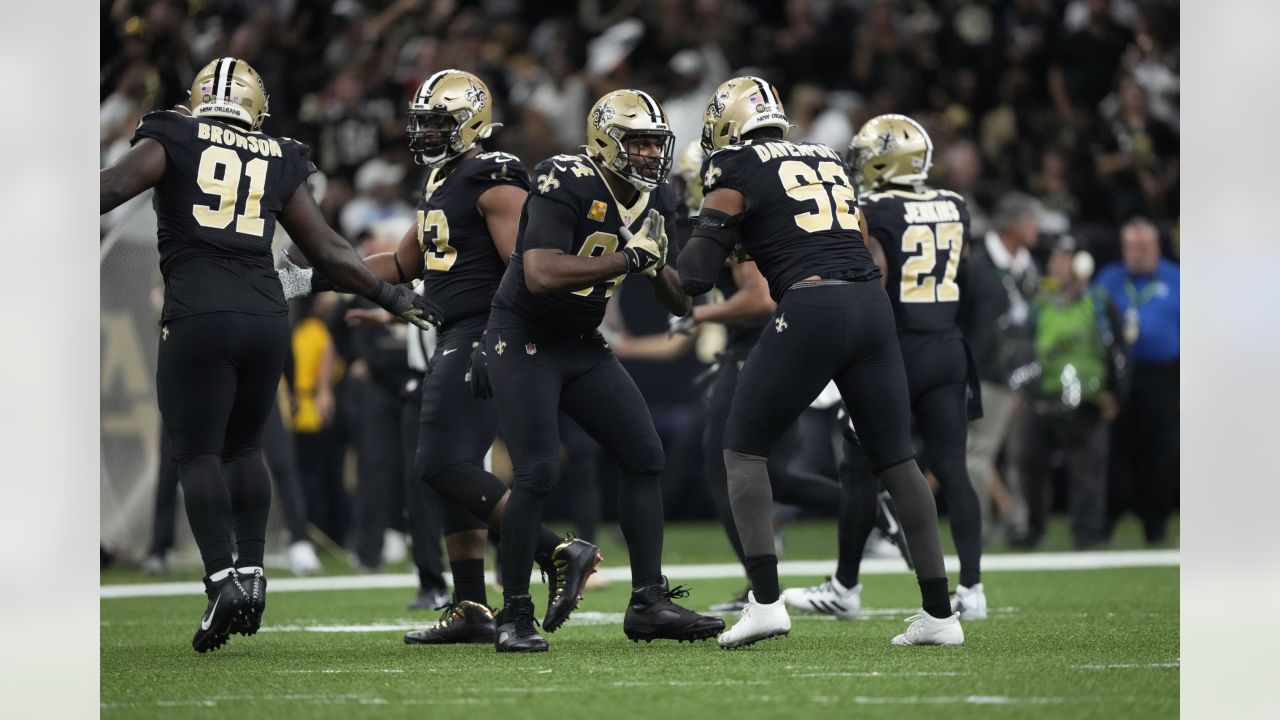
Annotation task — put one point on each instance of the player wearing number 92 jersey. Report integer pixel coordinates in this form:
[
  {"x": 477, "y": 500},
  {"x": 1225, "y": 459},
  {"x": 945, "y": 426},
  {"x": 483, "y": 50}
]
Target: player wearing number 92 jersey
[
  {"x": 220, "y": 185},
  {"x": 792, "y": 207}
]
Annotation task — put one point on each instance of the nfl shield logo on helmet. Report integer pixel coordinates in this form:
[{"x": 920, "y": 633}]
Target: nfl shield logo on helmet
[{"x": 530, "y": 349}]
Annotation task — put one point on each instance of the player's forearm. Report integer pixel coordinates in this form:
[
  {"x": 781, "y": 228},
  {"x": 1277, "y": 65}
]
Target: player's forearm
[
  {"x": 738, "y": 307},
  {"x": 338, "y": 261},
  {"x": 547, "y": 272},
  {"x": 666, "y": 286}
]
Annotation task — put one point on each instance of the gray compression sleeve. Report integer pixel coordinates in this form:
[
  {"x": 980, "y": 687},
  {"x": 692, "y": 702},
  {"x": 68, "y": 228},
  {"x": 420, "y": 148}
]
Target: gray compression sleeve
[{"x": 751, "y": 499}]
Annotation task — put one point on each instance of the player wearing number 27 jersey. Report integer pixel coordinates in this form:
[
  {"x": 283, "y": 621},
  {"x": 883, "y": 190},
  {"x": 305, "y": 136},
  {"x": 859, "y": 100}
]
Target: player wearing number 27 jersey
[{"x": 792, "y": 207}]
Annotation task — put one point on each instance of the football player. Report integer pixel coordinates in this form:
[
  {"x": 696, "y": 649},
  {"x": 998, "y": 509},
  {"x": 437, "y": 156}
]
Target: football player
[
  {"x": 792, "y": 207},
  {"x": 221, "y": 185},
  {"x": 466, "y": 231},
  {"x": 919, "y": 233},
  {"x": 590, "y": 220}
]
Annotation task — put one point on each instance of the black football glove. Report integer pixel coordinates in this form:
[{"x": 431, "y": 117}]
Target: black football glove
[
  {"x": 478, "y": 374},
  {"x": 404, "y": 303}
]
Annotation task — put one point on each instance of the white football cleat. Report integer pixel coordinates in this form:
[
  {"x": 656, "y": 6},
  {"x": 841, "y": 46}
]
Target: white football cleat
[
  {"x": 829, "y": 598},
  {"x": 302, "y": 558},
  {"x": 970, "y": 602},
  {"x": 757, "y": 622},
  {"x": 926, "y": 629}
]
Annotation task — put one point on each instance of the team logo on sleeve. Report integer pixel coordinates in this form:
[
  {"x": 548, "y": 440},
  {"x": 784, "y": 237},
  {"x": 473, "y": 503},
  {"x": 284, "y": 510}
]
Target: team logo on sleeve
[
  {"x": 713, "y": 174},
  {"x": 547, "y": 182},
  {"x": 598, "y": 211}
]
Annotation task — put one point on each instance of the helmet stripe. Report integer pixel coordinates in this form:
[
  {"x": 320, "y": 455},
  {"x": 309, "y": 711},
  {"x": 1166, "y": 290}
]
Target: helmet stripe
[
  {"x": 765, "y": 90},
  {"x": 430, "y": 85},
  {"x": 226, "y": 84},
  {"x": 654, "y": 109}
]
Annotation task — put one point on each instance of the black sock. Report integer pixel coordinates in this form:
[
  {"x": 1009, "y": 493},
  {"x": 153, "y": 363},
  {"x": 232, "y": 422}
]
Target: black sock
[
  {"x": 520, "y": 526},
  {"x": 933, "y": 593},
  {"x": 640, "y": 516},
  {"x": 468, "y": 580},
  {"x": 547, "y": 542},
  {"x": 763, "y": 572},
  {"x": 208, "y": 509},
  {"x": 249, "y": 486}
]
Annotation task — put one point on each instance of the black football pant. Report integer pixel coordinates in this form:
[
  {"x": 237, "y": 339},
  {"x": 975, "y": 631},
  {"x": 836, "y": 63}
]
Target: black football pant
[
  {"x": 937, "y": 371},
  {"x": 277, "y": 447},
  {"x": 421, "y": 503},
  {"x": 1079, "y": 437},
  {"x": 1144, "y": 468},
  {"x": 379, "y": 500},
  {"x": 795, "y": 487},
  {"x": 216, "y": 382},
  {"x": 821, "y": 331},
  {"x": 535, "y": 375}
]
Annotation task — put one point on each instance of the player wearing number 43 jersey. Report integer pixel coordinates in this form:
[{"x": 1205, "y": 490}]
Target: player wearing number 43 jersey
[
  {"x": 917, "y": 233},
  {"x": 589, "y": 221},
  {"x": 221, "y": 185},
  {"x": 792, "y": 207},
  {"x": 468, "y": 212}
]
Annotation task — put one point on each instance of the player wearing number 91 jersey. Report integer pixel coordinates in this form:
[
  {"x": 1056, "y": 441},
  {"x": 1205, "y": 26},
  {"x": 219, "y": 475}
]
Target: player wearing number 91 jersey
[
  {"x": 220, "y": 185},
  {"x": 792, "y": 207}
]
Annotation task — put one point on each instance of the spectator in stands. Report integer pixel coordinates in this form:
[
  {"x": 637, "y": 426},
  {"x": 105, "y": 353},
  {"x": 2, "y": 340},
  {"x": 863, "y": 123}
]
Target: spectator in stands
[
  {"x": 1074, "y": 400},
  {"x": 1137, "y": 158},
  {"x": 379, "y": 198},
  {"x": 996, "y": 318},
  {"x": 1144, "y": 457}
]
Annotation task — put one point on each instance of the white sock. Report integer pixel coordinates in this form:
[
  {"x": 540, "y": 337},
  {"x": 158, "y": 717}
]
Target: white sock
[
  {"x": 249, "y": 570},
  {"x": 839, "y": 588},
  {"x": 221, "y": 574}
]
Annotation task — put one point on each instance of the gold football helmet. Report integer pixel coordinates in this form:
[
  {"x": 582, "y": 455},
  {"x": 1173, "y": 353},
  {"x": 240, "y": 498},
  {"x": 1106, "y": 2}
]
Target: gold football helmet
[
  {"x": 890, "y": 149},
  {"x": 739, "y": 106},
  {"x": 230, "y": 89},
  {"x": 448, "y": 115},
  {"x": 623, "y": 116},
  {"x": 689, "y": 170}
]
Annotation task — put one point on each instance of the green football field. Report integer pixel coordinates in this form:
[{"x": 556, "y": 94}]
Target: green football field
[{"x": 1059, "y": 643}]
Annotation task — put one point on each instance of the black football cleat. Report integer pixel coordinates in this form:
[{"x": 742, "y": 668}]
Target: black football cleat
[
  {"x": 652, "y": 616},
  {"x": 226, "y": 603},
  {"x": 887, "y": 522},
  {"x": 254, "y": 586},
  {"x": 514, "y": 628},
  {"x": 572, "y": 562},
  {"x": 462, "y": 622}
]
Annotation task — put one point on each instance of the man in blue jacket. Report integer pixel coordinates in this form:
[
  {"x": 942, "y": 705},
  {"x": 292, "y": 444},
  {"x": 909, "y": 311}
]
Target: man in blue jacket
[{"x": 1144, "y": 457}]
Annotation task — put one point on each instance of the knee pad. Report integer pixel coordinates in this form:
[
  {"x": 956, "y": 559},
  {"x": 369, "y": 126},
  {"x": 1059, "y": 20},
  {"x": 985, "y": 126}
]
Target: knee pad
[
  {"x": 645, "y": 459},
  {"x": 456, "y": 518},
  {"x": 539, "y": 479},
  {"x": 477, "y": 491},
  {"x": 240, "y": 453}
]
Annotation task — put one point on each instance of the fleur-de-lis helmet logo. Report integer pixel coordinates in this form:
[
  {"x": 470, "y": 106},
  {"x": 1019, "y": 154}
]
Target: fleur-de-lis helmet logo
[
  {"x": 476, "y": 96},
  {"x": 716, "y": 108},
  {"x": 602, "y": 115}
]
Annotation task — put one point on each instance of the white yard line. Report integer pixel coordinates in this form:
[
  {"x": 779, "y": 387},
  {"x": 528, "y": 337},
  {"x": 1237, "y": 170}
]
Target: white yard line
[{"x": 1096, "y": 560}]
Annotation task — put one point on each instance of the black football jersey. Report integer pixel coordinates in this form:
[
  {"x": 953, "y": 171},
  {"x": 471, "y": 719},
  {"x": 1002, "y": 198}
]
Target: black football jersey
[
  {"x": 217, "y": 205},
  {"x": 572, "y": 188},
  {"x": 462, "y": 266},
  {"x": 803, "y": 211},
  {"x": 922, "y": 233}
]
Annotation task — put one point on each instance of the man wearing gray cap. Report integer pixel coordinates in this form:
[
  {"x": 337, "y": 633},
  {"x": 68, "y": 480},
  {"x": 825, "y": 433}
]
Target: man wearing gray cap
[{"x": 996, "y": 318}]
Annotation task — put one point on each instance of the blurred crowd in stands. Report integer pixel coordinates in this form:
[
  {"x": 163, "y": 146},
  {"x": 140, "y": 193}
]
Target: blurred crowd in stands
[{"x": 1056, "y": 119}]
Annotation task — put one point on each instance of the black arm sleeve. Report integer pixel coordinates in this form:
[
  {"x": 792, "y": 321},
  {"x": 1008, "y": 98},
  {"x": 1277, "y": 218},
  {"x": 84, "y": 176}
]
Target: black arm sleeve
[
  {"x": 713, "y": 239},
  {"x": 549, "y": 224}
]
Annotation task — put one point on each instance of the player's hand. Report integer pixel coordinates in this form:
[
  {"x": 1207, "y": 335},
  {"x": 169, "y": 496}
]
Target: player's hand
[
  {"x": 298, "y": 281},
  {"x": 404, "y": 303},
  {"x": 645, "y": 250},
  {"x": 678, "y": 325},
  {"x": 478, "y": 374},
  {"x": 663, "y": 242},
  {"x": 739, "y": 254}
]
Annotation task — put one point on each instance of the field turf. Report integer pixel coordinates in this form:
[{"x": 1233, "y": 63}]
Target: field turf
[{"x": 1059, "y": 643}]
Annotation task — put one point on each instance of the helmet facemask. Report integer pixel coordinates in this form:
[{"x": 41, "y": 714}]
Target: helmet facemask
[
  {"x": 645, "y": 172},
  {"x": 434, "y": 135}
]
